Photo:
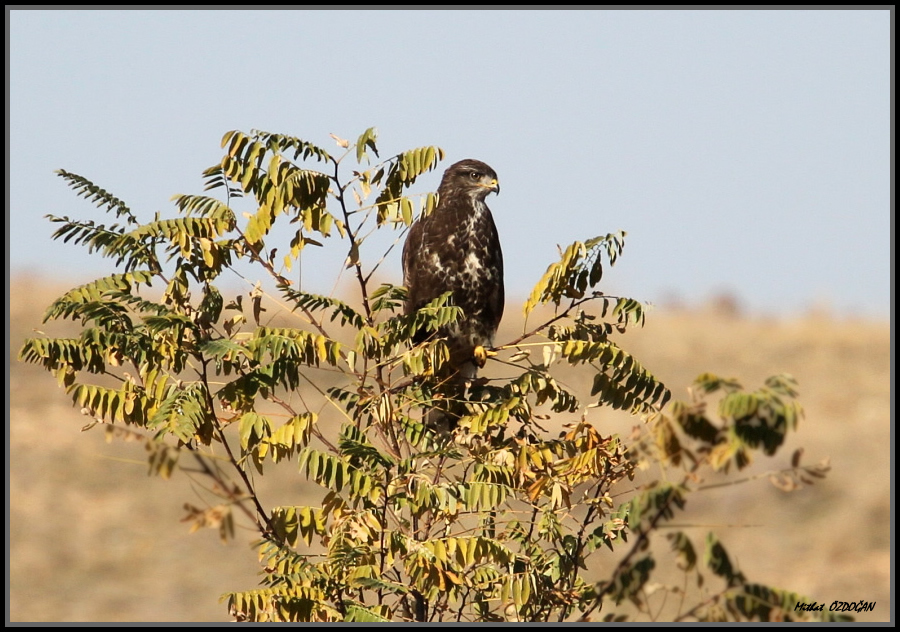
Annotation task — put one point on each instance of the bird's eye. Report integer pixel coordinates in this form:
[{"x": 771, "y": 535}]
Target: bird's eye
[{"x": 475, "y": 175}]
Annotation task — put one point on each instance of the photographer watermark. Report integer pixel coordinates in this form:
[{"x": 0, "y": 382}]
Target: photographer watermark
[{"x": 836, "y": 606}]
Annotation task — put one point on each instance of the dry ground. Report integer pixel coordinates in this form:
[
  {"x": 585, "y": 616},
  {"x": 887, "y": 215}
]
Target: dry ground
[{"x": 94, "y": 539}]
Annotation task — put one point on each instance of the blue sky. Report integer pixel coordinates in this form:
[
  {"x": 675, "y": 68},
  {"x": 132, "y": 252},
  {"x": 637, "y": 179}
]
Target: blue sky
[{"x": 745, "y": 152}]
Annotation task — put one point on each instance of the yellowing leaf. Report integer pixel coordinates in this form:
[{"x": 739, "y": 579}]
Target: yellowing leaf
[{"x": 343, "y": 144}]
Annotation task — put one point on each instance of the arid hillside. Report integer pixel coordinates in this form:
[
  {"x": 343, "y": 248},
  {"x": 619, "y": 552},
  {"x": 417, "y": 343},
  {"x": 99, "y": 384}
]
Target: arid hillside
[{"x": 93, "y": 538}]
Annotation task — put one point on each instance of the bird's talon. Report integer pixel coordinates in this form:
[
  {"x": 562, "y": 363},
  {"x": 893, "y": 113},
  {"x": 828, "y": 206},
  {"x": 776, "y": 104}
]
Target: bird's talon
[{"x": 481, "y": 355}]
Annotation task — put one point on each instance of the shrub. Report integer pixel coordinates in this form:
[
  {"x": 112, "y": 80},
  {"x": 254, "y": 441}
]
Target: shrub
[{"x": 500, "y": 519}]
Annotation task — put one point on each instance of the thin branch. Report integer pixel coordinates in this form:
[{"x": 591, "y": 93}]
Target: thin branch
[
  {"x": 575, "y": 303},
  {"x": 234, "y": 461},
  {"x": 643, "y": 537}
]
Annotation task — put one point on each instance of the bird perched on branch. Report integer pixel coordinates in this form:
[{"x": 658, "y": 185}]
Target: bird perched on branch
[{"x": 456, "y": 249}]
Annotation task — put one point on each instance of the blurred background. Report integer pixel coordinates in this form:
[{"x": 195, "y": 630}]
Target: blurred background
[{"x": 746, "y": 153}]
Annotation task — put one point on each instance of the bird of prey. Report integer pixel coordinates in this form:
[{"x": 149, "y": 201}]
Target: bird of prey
[{"x": 456, "y": 249}]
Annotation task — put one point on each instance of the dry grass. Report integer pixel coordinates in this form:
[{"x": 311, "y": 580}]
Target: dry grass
[{"x": 94, "y": 539}]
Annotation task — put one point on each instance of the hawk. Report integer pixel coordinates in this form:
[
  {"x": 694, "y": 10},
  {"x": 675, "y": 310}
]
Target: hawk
[{"x": 456, "y": 249}]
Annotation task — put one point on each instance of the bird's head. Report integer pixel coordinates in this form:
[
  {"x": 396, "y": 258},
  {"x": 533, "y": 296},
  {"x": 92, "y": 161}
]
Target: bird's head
[{"x": 472, "y": 178}]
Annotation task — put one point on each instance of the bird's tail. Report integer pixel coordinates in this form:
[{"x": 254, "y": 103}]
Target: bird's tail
[{"x": 444, "y": 416}]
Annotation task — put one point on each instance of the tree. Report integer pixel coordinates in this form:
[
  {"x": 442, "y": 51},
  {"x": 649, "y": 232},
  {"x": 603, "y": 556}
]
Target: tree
[{"x": 501, "y": 519}]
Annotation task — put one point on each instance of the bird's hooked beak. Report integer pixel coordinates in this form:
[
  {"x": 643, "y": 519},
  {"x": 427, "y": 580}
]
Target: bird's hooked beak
[{"x": 494, "y": 185}]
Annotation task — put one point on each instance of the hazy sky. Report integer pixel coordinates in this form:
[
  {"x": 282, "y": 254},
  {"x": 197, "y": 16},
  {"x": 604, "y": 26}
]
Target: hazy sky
[{"x": 743, "y": 151}]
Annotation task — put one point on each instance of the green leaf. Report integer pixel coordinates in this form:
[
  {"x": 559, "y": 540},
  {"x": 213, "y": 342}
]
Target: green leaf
[
  {"x": 716, "y": 559},
  {"x": 366, "y": 139}
]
